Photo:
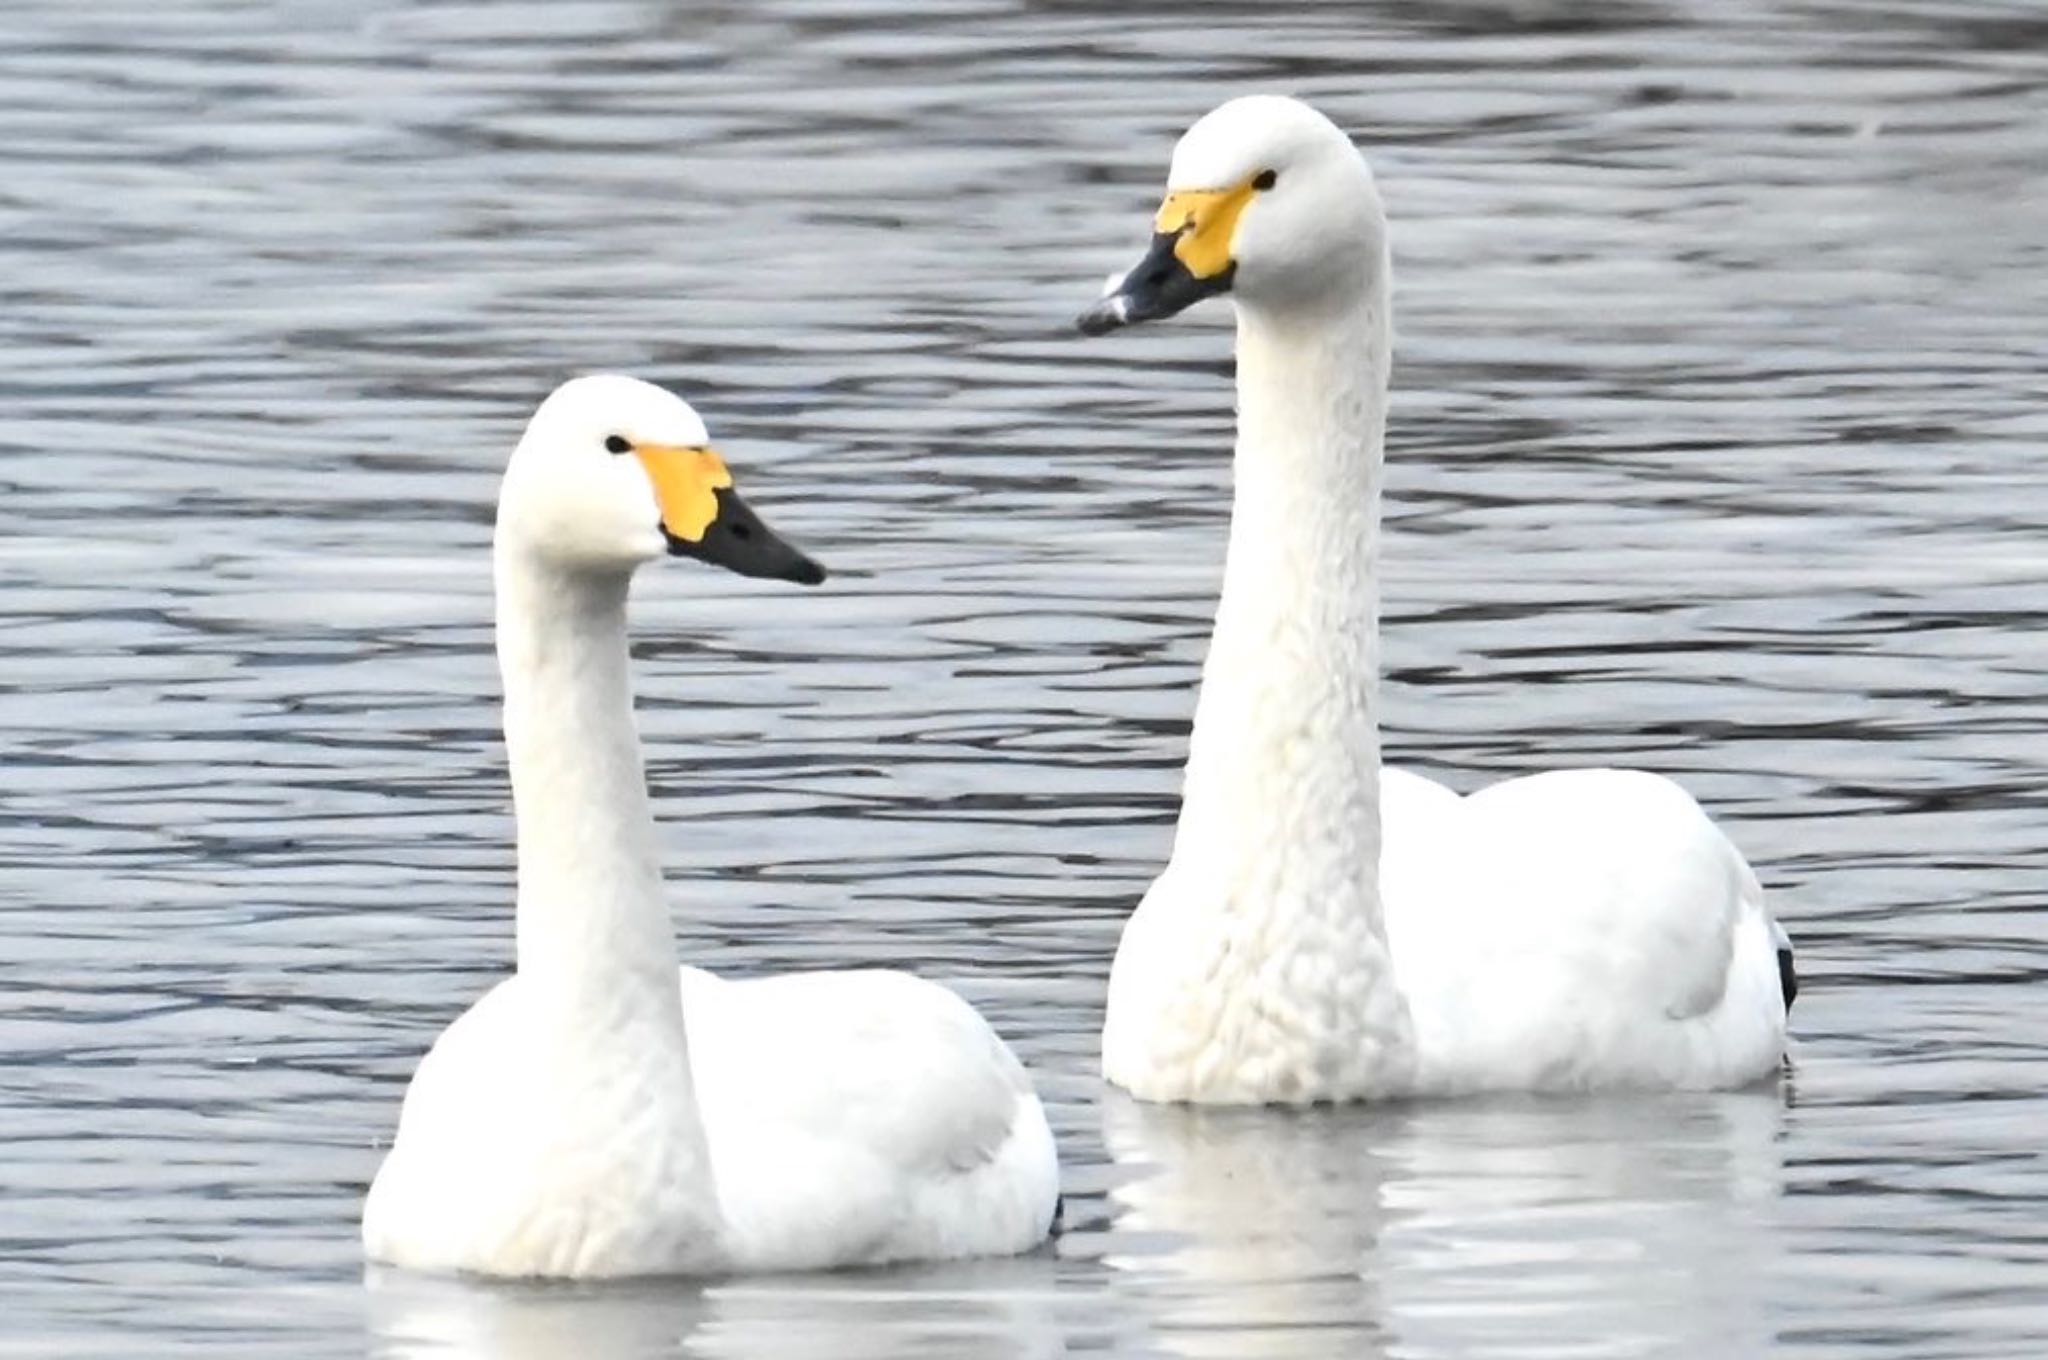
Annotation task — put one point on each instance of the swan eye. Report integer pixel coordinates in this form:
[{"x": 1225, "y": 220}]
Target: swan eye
[
  {"x": 617, "y": 443},
  {"x": 1265, "y": 179}
]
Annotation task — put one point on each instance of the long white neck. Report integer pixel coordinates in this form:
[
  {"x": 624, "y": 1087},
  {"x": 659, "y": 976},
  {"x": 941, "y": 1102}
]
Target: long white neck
[
  {"x": 592, "y": 920},
  {"x": 605, "y": 1036},
  {"x": 1257, "y": 968},
  {"x": 1283, "y": 766}
]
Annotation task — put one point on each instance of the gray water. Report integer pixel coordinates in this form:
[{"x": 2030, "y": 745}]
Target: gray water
[{"x": 1717, "y": 449}]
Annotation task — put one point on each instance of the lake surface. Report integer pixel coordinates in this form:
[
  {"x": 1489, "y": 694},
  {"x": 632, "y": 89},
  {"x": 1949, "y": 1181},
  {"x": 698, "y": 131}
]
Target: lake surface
[{"x": 1718, "y": 448}]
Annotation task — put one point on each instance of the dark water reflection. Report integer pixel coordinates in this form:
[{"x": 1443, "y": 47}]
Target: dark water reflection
[{"x": 1716, "y": 449}]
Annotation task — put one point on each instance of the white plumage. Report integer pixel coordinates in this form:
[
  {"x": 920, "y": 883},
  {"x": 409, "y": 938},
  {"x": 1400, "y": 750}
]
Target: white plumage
[
  {"x": 1326, "y": 929},
  {"x": 598, "y": 1114}
]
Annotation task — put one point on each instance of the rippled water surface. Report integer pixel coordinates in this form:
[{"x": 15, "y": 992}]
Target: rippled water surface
[{"x": 1717, "y": 448}]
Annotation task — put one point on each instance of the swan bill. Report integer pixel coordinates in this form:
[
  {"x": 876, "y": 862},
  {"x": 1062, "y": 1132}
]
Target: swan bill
[
  {"x": 1161, "y": 285},
  {"x": 736, "y": 539},
  {"x": 1193, "y": 256},
  {"x": 1203, "y": 225},
  {"x": 703, "y": 517}
]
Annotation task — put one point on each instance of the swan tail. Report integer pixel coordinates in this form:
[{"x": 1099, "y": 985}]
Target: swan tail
[{"x": 1788, "y": 972}]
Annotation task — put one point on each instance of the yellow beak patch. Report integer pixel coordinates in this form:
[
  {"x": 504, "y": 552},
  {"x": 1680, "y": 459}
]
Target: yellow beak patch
[
  {"x": 1203, "y": 223},
  {"x": 686, "y": 485}
]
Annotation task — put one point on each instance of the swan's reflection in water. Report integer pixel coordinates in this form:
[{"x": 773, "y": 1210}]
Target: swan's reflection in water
[
  {"x": 999, "y": 1309},
  {"x": 1474, "y": 1230},
  {"x": 1249, "y": 1229},
  {"x": 1624, "y": 1227}
]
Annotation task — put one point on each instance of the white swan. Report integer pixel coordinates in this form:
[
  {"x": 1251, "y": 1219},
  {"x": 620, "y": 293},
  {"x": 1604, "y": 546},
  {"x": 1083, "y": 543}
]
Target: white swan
[
  {"x": 1326, "y": 929},
  {"x": 589, "y": 1117}
]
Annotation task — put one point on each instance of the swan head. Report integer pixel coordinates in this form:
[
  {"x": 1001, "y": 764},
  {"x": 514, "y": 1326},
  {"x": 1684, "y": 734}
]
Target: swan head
[
  {"x": 613, "y": 472},
  {"x": 1266, "y": 200}
]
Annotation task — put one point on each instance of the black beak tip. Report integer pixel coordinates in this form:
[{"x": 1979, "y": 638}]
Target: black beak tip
[
  {"x": 1160, "y": 286},
  {"x": 737, "y": 540},
  {"x": 758, "y": 553},
  {"x": 1111, "y": 313}
]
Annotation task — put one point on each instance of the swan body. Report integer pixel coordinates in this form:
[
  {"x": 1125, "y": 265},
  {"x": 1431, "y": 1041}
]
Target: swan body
[
  {"x": 602, "y": 1113},
  {"x": 1327, "y": 929}
]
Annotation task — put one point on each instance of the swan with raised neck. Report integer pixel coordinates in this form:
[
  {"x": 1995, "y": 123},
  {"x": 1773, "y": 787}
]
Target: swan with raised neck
[
  {"x": 1286, "y": 954},
  {"x": 600, "y": 1113}
]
